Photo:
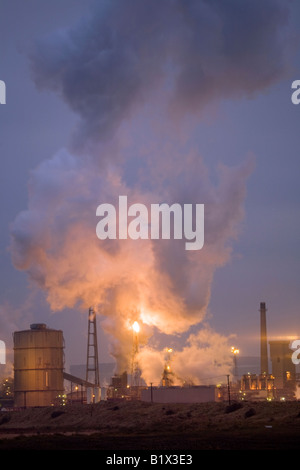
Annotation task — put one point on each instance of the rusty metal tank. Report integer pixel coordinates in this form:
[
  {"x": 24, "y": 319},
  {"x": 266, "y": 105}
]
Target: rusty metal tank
[{"x": 38, "y": 366}]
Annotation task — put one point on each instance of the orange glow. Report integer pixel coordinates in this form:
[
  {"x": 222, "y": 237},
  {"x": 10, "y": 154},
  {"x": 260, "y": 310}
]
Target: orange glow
[
  {"x": 136, "y": 327},
  {"x": 235, "y": 350}
]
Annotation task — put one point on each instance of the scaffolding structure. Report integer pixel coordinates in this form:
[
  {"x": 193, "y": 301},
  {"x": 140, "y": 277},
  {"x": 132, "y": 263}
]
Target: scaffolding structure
[{"x": 92, "y": 364}]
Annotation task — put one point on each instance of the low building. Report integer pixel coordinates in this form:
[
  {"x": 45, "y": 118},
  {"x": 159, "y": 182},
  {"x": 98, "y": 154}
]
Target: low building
[{"x": 283, "y": 369}]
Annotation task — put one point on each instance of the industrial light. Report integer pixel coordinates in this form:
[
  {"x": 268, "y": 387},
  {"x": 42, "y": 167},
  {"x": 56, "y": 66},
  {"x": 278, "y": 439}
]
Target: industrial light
[
  {"x": 136, "y": 327},
  {"x": 235, "y": 350}
]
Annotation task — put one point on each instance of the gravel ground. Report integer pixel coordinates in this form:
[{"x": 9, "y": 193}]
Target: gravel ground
[{"x": 145, "y": 426}]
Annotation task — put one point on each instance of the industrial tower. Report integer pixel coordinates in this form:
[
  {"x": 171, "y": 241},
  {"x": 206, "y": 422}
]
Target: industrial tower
[
  {"x": 92, "y": 366},
  {"x": 167, "y": 377},
  {"x": 263, "y": 340},
  {"x": 135, "y": 369}
]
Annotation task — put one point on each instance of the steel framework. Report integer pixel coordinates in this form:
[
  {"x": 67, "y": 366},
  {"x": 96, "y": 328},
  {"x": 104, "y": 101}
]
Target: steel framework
[{"x": 92, "y": 365}]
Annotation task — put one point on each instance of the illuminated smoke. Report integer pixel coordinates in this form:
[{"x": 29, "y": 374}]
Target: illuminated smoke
[
  {"x": 205, "y": 359},
  {"x": 136, "y": 75},
  {"x": 55, "y": 242}
]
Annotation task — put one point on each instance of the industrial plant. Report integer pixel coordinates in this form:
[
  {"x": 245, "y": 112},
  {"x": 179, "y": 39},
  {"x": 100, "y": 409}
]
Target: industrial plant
[{"x": 40, "y": 378}]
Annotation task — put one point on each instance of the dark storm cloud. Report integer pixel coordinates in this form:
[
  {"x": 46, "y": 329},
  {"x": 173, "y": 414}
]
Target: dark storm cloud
[{"x": 200, "y": 51}]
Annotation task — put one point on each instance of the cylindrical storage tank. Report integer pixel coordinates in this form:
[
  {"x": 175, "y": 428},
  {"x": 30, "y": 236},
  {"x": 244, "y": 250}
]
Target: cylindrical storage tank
[
  {"x": 93, "y": 394},
  {"x": 38, "y": 366},
  {"x": 97, "y": 392},
  {"x": 89, "y": 395}
]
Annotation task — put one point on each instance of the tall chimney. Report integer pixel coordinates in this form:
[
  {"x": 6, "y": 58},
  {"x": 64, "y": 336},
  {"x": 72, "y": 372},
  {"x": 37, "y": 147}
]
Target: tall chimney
[{"x": 263, "y": 340}]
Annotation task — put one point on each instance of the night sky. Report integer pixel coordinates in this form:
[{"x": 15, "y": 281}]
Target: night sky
[{"x": 169, "y": 101}]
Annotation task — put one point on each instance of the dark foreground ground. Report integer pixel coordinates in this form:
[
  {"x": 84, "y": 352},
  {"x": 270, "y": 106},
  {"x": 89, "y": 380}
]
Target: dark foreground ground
[
  {"x": 135, "y": 426},
  {"x": 160, "y": 443}
]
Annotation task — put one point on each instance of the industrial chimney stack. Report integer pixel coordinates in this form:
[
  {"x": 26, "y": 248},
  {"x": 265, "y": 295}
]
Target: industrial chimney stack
[{"x": 263, "y": 340}]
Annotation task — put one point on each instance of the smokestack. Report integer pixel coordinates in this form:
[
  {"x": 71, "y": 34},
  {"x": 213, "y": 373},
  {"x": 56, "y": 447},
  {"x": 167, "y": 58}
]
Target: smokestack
[{"x": 263, "y": 340}]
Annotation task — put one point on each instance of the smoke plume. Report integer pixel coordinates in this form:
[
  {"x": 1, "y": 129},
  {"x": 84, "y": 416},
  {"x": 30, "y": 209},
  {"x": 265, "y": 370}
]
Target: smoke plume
[
  {"x": 136, "y": 73},
  {"x": 192, "y": 52},
  {"x": 205, "y": 359}
]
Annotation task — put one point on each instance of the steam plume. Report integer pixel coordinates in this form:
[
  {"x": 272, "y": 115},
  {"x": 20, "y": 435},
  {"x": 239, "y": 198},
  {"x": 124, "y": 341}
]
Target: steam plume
[
  {"x": 133, "y": 71},
  {"x": 205, "y": 359},
  {"x": 193, "y": 52}
]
